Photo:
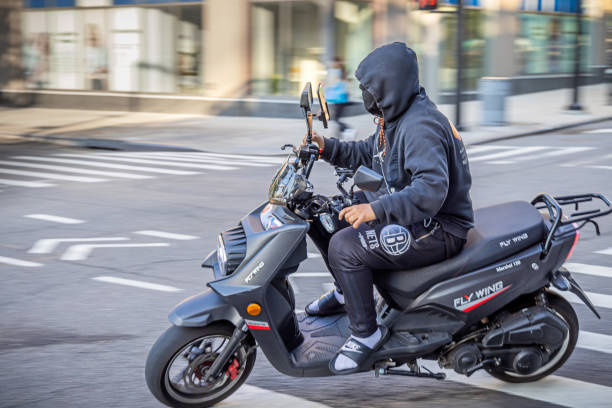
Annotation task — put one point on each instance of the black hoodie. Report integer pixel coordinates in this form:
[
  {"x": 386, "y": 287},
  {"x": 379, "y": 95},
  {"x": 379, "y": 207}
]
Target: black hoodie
[{"x": 419, "y": 152}]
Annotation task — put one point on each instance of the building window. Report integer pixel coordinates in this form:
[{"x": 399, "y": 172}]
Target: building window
[
  {"x": 545, "y": 44},
  {"x": 286, "y": 46},
  {"x": 129, "y": 49}
]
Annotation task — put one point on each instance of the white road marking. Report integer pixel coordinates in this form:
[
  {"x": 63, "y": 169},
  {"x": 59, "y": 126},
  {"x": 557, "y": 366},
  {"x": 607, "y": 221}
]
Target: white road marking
[
  {"x": 73, "y": 169},
  {"x": 479, "y": 149},
  {"x": 294, "y": 286},
  {"x": 600, "y": 167},
  {"x": 20, "y": 183},
  {"x": 262, "y": 159},
  {"x": 93, "y": 163},
  {"x": 137, "y": 284},
  {"x": 169, "y": 235},
  {"x": 607, "y": 251},
  {"x": 53, "y": 176},
  {"x": 598, "y": 131},
  {"x": 314, "y": 255},
  {"x": 513, "y": 152},
  {"x": 595, "y": 341},
  {"x": 501, "y": 162},
  {"x": 112, "y": 157},
  {"x": 311, "y": 275},
  {"x": 255, "y": 397},
  {"x": 598, "y": 299},
  {"x": 587, "y": 162},
  {"x": 81, "y": 252},
  {"x": 46, "y": 246},
  {"x": 180, "y": 158},
  {"x": 560, "y": 152},
  {"x": 586, "y": 269},
  {"x": 54, "y": 218},
  {"x": 553, "y": 389},
  {"x": 18, "y": 262}
]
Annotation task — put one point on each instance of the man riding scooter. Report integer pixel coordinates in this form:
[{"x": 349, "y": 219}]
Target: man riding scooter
[{"x": 420, "y": 215}]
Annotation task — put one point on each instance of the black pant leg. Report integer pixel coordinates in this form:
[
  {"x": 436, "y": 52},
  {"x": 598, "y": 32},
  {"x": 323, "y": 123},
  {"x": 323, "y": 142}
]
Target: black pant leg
[{"x": 356, "y": 254}]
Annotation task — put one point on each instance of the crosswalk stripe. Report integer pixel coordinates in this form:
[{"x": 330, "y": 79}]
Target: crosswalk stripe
[
  {"x": 479, "y": 149},
  {"x": 182, "y": 158},
  {"x": 595, "y": 341},
  {"x": 586, "y": 269},
  {"x": 553, "y": 389},
  {"x": 598, "y": 299},
  {"x": 263, "y": 159},
  {"x": 110, "y": 157},
  {"x": 598, "y": 131},
  {"x": 169, "y": 235},
  {"x": 513, "y": 152},
  {"x": 255, "y": 397},
  {"x": 94, "y": 163},
  {"x": 607, "y": 251},
  {"x": 554, "y": 153},
  {"x": 46, "y": 246},
  {"x": 81, "y": 252},
  {"x": 600, "y": 167},
  {"x": 18, "y": 262},
  {"x": 54, "y": 218},
  {"x": 137, "y": 284},
  {"x": 20, "y": 183},
  {"x": 53, "y": 176},
  {"x": 73, "y": 169}
]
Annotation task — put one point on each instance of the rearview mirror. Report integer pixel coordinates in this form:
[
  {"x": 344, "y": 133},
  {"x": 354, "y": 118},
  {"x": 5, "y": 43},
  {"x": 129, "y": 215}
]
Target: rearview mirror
[
  {"x": 367, "y": 179},
  {"x": 306, "y": 97},
  {"x": 324, "y": 114}
]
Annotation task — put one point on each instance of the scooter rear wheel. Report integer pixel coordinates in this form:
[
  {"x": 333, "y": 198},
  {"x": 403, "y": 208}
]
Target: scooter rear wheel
[
  {"x": 179, "y": 359},
  {"x": 560, "y": 356}
]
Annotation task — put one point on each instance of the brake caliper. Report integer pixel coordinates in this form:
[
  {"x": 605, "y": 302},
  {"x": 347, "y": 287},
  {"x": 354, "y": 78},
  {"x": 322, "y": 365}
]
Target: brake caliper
[{"x": 233, "y": 370}]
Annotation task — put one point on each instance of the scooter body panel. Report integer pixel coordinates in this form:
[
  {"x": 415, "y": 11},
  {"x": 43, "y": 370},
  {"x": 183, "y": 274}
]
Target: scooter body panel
[{"x": 298, "y": 345}]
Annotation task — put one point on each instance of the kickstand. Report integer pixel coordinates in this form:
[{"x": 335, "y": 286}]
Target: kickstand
[{"x": 413, "y": 371}]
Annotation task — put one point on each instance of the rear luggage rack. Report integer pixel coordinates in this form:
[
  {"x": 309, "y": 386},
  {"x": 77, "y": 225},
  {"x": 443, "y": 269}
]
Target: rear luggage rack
[{"x": 554, "y": 206}]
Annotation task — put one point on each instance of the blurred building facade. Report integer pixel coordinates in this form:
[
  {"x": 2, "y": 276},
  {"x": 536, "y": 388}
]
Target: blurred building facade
[{"x": 267, "y": 49}]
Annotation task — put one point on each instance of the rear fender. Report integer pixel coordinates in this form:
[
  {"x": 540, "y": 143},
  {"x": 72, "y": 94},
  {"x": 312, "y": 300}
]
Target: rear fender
[{"x": 203, "y": 309}]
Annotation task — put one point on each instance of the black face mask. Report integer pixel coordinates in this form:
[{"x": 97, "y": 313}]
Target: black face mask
[{"x": 370, "y": 103}]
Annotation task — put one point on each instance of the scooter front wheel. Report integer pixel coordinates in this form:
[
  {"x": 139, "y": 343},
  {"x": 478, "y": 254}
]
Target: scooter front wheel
[{"x": 179, "y": 361}]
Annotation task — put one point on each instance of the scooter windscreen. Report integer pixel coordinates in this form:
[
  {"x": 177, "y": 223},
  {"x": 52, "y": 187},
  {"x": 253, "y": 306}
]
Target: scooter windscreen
[{"x": 288, "y": 184}]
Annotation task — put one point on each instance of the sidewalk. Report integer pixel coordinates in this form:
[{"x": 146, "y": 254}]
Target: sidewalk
[{"x": 526, "y": 114}]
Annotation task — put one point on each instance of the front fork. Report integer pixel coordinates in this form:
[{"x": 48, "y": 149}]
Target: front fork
[{"x": 240, "y": 333}]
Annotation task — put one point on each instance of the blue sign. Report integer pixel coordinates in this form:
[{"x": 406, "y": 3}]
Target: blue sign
[{"x": 48, "y": 3}]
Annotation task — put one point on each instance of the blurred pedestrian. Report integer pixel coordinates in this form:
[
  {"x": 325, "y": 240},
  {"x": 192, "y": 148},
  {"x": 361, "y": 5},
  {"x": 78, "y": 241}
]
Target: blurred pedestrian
[
  {"x": 95, "y": 56},
  {"x": 336, "y": 93}
]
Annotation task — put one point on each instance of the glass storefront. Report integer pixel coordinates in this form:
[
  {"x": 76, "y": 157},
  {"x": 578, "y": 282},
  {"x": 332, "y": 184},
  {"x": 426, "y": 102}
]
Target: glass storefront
[
  {"x": 133, "y": 49},
  {"x": 545, "y": 43},
  {"x": 288, "y": 44},
  {"x": 156, "y": 46}
]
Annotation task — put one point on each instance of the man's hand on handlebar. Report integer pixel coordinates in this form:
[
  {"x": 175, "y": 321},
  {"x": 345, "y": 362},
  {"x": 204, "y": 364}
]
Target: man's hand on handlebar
[
  {"x": 357, "y": 214},
  {"x": 316, "y": 138}
]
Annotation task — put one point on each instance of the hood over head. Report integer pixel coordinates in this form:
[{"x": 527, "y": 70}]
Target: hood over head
[{"x": 391, "y": 74}]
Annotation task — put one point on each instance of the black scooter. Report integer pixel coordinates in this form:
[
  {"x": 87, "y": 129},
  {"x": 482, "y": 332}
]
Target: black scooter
[{"x": 491, "y": 307}]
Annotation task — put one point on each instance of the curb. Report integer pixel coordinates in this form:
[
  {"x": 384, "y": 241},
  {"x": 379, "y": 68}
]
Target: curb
[
  {"x": 105, "y": 144},
  {"x": 543, "y": 130},
  {"x": 111, "y": 144}
]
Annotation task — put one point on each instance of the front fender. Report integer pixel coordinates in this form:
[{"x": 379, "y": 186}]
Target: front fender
[{"x": 203, "y": 309}]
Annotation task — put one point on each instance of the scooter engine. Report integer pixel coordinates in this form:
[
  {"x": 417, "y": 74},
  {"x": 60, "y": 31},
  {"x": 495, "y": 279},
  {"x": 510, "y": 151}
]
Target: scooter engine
[{"x": 464, "y": 358}]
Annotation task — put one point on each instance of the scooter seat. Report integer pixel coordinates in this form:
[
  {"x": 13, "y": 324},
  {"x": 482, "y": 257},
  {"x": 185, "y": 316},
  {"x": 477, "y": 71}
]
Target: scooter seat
[{"x": 499, "y": 231}]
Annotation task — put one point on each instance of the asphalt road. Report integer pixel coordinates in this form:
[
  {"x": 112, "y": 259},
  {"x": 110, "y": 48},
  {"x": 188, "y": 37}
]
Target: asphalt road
[{"x": 72, "y": 333}]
